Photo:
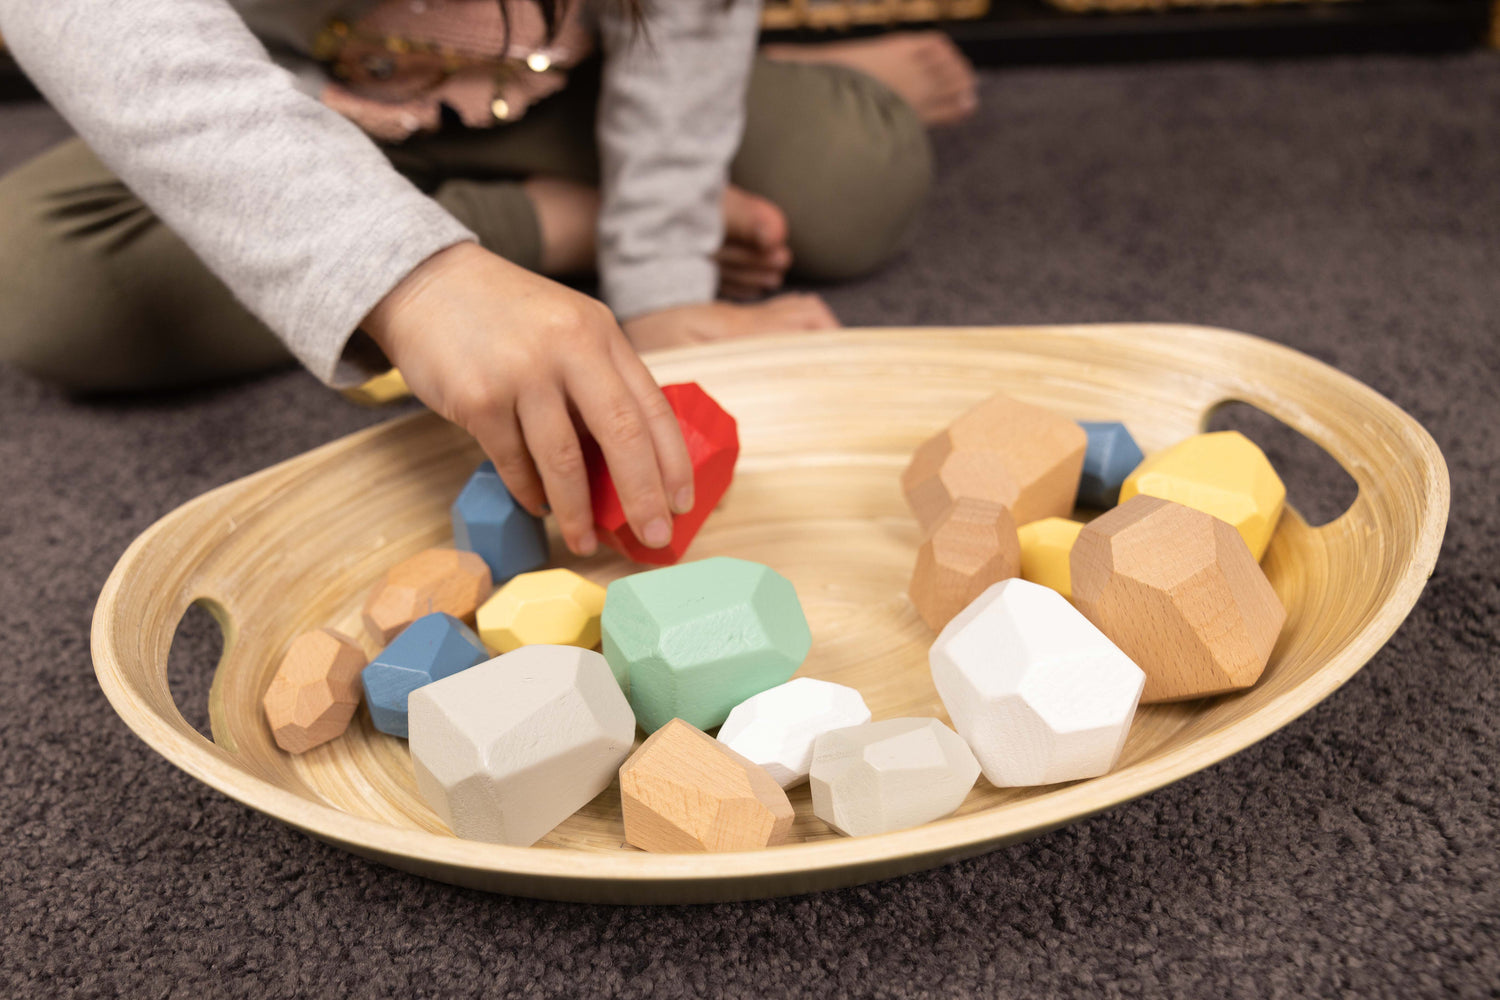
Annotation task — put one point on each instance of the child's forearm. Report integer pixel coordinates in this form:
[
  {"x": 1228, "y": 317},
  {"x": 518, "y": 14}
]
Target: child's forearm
[
  {"x": 671, "y": 115},
  {"x": 290, "y": 205}
]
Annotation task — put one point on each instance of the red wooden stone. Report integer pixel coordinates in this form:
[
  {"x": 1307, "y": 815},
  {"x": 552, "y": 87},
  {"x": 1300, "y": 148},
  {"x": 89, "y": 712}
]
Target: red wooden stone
[{"x": 713, "y": 444}]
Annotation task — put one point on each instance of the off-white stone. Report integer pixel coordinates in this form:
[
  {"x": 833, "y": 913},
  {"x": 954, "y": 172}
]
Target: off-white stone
[
  {"x": 777, "y": 728},
  {"x": 507, "y": 750},
  {"x": 890, "y": 775},
  {"x": 1039, "y": 693}
]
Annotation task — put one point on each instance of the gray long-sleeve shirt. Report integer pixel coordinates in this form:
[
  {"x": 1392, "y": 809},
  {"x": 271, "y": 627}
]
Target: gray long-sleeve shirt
[{"x": 298, "y": 212}]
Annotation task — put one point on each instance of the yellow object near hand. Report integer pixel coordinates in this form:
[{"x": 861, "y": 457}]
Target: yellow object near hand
[{"x": 1224, "y": 474}]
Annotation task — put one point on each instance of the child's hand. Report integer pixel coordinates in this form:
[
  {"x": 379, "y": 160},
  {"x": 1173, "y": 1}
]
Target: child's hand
[{"x": 510, "y": 357}]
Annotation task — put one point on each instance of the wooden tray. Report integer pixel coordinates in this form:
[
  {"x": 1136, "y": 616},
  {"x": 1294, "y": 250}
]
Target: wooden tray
[{"x": 827, "y": 423}]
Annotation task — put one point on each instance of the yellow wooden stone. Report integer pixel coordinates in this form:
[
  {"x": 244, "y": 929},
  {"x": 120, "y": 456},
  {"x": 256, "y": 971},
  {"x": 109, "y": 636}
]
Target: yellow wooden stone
[
  {"x": 1224, "y": 474},
  {"x": 551, "y": 606},
  {"x": 377, "y": 391},
  {"x": 1045, "y": 548}
]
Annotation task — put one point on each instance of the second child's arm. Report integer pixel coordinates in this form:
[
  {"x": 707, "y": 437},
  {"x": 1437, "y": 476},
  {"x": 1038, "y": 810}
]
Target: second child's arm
[{"x": 308, "y": 224}]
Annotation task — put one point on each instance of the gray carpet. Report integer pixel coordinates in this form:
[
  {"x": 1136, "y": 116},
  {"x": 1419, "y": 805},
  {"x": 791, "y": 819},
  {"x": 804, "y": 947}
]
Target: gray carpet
[{"x": 1350, "y": 208}]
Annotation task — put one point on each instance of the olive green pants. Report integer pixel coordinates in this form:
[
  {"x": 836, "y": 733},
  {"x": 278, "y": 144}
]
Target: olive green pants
[{"x": 122, "y": 303}]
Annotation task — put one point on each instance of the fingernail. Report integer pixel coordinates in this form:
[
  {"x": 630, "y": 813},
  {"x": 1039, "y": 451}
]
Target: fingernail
[
  {"x": 587, "y": 544},
  {"x": 683, "y": 501},
  {"x": 658, "y": 533}
]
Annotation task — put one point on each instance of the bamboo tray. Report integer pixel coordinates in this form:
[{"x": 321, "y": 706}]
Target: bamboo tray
[{"x": 827, "y": 422}]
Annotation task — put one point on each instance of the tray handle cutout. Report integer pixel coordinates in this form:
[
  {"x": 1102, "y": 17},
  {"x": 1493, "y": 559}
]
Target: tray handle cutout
[{"x": 1318, "y": 487}]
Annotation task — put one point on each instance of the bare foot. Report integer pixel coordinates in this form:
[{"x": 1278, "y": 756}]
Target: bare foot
[
  {"x": 755, "y": 255},
  {"x": 924, "y": 67},
  {"x": 712, "y": 321},
  {"x": 752, "y": 262}
]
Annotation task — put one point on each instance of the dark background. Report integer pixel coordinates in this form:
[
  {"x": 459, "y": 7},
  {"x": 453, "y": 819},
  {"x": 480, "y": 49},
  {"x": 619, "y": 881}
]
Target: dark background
[{"x": 1349, "y": 207}]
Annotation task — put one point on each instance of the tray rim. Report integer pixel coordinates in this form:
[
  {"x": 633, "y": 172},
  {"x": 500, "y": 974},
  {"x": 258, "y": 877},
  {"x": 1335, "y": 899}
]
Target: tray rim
[{"x": 792, "y": 869}]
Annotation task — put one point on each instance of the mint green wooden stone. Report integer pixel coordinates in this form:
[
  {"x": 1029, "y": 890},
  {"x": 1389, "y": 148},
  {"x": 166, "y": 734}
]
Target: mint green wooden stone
[{"x": 694, "y": 640}]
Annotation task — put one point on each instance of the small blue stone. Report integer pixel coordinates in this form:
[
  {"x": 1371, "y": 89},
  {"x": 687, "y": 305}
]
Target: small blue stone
[
  {"x": 1112, "y": 456},
  {"x": 431, "y": 648},
  {"x": 488, "y": 521}
]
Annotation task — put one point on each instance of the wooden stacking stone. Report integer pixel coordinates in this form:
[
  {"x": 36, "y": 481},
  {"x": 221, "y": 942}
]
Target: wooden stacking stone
[
  {"x": 1046, "y": 549},
  {"x": 1180, "y": 593},
  {"x": 684, "y": 791},
  {"x": 778, "y": 727},
  {"x": 890, "y": 775},
  {"x": 433, "y": 580},
  {"x": 1004, "y": 451},
  {"x": 315, "y": 690},
  {"x": 1224, "y": 474},
  {"x": 488, "y": 521},
  {"x": 1112, "y": 455},
  {"x": 694, "y": 640},
  {"x": 1039, "y": 693},
  {"x": 547, "y": 607},
  {"x": 713, "y": 444},
  {"x": 972, "y": 546},
  {"x": 506, "y": 750}
]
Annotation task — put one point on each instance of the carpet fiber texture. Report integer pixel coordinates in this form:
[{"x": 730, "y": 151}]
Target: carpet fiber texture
[{"x": 1349, "y": 208}]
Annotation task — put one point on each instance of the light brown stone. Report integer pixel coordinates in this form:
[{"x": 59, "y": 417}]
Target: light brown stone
[{"x": 1180, "y": 592}]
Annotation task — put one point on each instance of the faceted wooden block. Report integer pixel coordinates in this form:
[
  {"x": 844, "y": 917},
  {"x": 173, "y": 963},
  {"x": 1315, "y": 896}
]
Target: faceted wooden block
[
  {"x": 695, "y": 640},
  {"x": 1023, "y": 457},
  {"x": 549, "y": 607},
  {"x": 505, "y": 751},
  {"x": 433, "y": 580},
  {"x": 431, "y": 648},
  {"x": 315, "y": 691},
  {"x": 1224, "y": 474},
  {"x": 1038, "y": 692},
  {"x": 488, "y": 521},
  {"x": 1046, "y": 547},
  {"x": 778, "y": 727},
  {"x": 1111, "y": 456},
  {"x": 713, "y": 445},
  {"x": 972, "y": 546},
  {"x": 890, "y": 775},
  {"x": 1179, "y": 592},
  {"x": 684, "y": 791}
]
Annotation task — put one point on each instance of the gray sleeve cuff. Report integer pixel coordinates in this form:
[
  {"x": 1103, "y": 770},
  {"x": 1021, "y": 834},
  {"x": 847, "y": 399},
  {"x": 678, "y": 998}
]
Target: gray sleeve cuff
[
  {"x": 635, "y": 288},
  {"x": 324, "y": 334}
]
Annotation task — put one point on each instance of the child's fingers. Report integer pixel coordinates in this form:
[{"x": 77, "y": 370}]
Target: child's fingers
[
  {"x": 554, "y": 448},
  {"x": 502, "y": 441},
  {"x": 613, "y": 415},
  {"x": 736, "y": 255},
  {"x": 666, "y": 433}
]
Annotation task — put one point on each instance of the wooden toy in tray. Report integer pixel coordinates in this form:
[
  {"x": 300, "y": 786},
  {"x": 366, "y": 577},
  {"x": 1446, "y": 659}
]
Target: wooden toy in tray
[{"x": 826, "y": 426}]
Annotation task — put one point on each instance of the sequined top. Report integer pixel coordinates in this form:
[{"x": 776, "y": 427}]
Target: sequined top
[{"x": 398, "y": 65}]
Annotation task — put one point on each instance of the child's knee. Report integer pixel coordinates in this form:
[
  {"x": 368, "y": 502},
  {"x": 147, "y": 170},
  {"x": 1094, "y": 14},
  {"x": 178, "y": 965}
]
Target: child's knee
[
  {"x": 851, "y": 169},
  {"x": 868, "y": 191},
  {"x": 39, "y": 325}
]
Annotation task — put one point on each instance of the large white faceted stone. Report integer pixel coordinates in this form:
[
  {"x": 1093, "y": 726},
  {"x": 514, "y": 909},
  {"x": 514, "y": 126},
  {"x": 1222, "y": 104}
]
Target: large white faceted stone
[
  {"x": 505, "y": 751},
  {"x": 1040, "y": 694},
  {"x": 776, "y": 728},
  {"x": 890, "y": 775}
]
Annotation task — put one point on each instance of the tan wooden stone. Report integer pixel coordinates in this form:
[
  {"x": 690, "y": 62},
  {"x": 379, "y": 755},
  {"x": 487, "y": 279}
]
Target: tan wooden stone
[
  {"x": 1024, "y": 457},
  {"x": 447, "y": 580},
  {"x": 1180, "y": 593},
  {"x": 684, "y": 791},
  {"x": 315, "y": 690},
  {"x": 972, "y": 546}
]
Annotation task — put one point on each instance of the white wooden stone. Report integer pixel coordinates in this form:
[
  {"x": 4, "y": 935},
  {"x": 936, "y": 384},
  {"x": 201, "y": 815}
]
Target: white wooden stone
[
  {"x": 506, "y": 750},
  {"x": 1039, "y": 693},
  {"x": 890, "y": 775},
  {"x": 777, "y": 728}
]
